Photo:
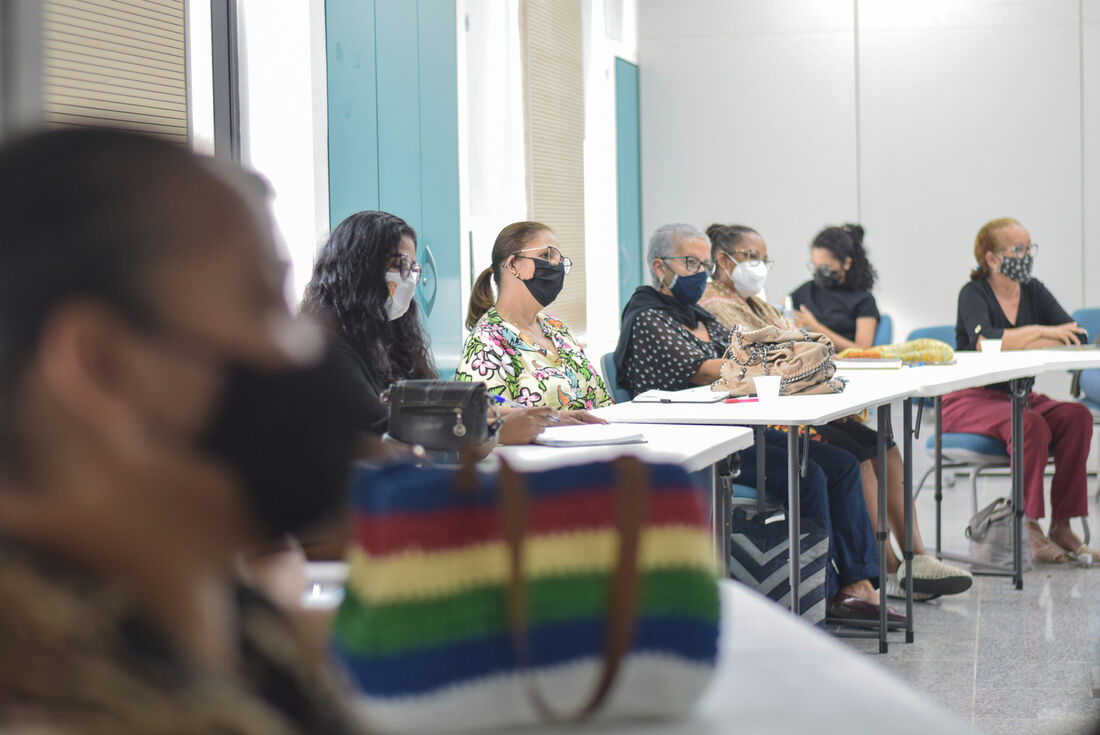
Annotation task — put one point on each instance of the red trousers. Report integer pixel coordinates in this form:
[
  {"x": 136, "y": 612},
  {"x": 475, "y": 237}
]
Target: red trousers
[{"x": 1051, "y": 428}]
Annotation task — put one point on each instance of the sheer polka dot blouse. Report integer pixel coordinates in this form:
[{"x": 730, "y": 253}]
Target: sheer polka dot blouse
[{"x": 664, "y": 355}]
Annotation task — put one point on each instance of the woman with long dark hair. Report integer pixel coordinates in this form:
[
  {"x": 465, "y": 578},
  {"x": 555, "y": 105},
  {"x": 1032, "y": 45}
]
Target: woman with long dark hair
[{"x": 363, "y": 283}]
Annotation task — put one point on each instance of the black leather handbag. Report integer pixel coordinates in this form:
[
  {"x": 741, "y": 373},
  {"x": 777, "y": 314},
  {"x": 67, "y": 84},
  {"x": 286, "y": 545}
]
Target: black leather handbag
[{"x": 439, "y": 415}]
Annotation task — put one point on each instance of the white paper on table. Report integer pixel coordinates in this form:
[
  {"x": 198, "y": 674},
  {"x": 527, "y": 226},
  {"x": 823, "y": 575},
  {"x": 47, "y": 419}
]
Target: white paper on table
[{"x": 584, "y": 435}]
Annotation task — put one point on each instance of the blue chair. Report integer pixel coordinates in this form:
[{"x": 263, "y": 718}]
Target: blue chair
[
  {"x": 1089, "y": 319},
  {"x": 975, "y": 452},
  {"x": 607, "y": 367},
  {"x": 884, "y": 332}
]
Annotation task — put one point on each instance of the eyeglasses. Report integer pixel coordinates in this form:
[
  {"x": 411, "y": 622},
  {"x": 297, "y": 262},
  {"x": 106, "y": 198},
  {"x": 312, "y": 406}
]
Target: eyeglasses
[
  {"x": 693, "y": 264},
  {"x": 405, "y": 266},
  {"x": 812, "y": 267},
  {"x": 553, "y": 256},
  {"x": 1020, "y": 251},
  {"x": 750, "y": 256}
]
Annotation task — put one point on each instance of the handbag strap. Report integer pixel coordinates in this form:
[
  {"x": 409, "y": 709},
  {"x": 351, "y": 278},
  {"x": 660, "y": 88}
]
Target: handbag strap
[{"x": 632, "y": 500}]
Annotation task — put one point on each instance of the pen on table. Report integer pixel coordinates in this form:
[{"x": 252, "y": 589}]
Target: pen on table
[
  {"x": 742, "y": 400},
  {"x": 513, "y": 404}
]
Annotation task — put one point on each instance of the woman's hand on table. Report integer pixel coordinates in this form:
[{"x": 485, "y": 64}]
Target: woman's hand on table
[
  {"x": 521, "y": 426},
  {"x": 1069, "y": 333},
  {"x": 579, "y": 417}
]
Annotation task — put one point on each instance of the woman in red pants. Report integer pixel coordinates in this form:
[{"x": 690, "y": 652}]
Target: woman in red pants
[{"x": 1002, "y": 301}]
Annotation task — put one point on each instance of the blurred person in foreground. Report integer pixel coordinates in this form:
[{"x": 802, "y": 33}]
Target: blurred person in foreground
[{"x": 160, "y": 411}]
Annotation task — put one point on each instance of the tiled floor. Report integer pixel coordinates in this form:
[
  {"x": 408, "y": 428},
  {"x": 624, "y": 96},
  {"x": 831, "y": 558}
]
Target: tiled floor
[{"x": 1007, "y": 661}]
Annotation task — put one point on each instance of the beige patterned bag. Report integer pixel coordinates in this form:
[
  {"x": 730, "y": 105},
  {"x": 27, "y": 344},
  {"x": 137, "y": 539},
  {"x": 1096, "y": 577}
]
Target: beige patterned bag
[{"x": 803, "y": 359}]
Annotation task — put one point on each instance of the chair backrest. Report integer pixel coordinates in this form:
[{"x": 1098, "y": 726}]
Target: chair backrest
[
  {"x": 944, "y": 333},
  {"x": 607, "y": 367},
  {"x": 884, "y": 332},
  {"x": 1090, "y": 320}
]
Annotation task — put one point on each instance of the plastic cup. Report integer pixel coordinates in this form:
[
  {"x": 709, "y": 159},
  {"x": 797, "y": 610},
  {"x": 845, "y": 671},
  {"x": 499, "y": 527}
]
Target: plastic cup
[
  {"x": 767, "y": 387},
  {"x": 991, "y": 346}
]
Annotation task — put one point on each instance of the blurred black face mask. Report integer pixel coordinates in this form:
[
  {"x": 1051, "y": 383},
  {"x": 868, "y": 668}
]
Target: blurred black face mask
[{"x": 289, "y": 437}]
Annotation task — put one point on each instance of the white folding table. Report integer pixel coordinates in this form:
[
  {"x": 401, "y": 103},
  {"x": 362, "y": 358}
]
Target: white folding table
[{"x": 865, "y": 389}]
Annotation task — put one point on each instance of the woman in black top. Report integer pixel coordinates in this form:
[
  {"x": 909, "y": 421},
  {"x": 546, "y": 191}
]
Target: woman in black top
[
  {"x": 363, "y": 285},
  {"x": 838, "y": 301},
  {"x": 668, "y": 342},
  {"x": 1002, "y": 301}
]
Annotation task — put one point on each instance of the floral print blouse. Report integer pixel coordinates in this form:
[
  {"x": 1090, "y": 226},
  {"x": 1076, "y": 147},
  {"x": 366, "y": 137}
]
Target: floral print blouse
[{"x": 498, "y": 354}]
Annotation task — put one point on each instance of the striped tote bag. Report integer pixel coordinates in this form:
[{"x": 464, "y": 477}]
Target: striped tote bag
[{"x": 478, "y": 600}]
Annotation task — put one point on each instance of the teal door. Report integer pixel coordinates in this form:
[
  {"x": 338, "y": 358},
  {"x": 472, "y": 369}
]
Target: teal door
[
  {"x": 393, "y": 138},
  {"x": 632, "y": 267}
]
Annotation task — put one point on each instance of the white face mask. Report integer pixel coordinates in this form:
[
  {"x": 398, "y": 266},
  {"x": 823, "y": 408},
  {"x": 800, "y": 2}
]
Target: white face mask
[
  {"x": 401, "y": 294},
  {"x": 748, "y": 277}
]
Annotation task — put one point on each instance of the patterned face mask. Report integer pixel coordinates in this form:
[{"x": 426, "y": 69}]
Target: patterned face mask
[{"x": 1018, "y": 269}]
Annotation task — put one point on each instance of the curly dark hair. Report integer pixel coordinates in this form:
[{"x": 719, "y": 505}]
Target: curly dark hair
[
  {"x": 349, "y": 286},
  {"x": 847, "y": 242}
]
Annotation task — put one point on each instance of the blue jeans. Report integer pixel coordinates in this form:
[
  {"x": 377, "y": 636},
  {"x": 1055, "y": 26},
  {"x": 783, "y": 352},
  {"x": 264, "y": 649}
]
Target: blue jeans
[{"x": 832, "y": 493}]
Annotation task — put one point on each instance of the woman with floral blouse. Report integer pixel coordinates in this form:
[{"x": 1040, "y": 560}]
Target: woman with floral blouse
[{"x": 519, "y": 352}]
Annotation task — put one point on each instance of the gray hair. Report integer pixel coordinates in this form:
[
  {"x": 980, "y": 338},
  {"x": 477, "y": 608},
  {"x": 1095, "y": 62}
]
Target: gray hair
[{"x": 664, "y": 241}]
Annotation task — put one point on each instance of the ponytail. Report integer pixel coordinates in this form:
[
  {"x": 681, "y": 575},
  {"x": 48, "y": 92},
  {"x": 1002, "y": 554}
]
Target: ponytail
[
  {"x": 510, "y": 240},
  {"x": 481, "y": 298},
  {"x": 847, "y": 242}
]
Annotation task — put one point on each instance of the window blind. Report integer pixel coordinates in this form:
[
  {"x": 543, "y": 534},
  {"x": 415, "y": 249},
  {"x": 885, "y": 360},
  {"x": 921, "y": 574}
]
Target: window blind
[
  {"x": 554, "y": 91},
  {"x": 116, "y": 63}
]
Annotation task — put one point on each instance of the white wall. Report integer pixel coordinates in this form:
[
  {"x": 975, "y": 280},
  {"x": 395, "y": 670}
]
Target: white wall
[
  {"x": 748, "y": 116},
  {"x": 1090, "y": 34},
  {"x": 284, "y": 120},
  {"x": 967, "y": 110}
]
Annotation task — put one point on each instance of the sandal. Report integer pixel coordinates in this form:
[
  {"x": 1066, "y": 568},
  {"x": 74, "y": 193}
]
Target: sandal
[
  {"x": 1046, "y": 552},
  {"x": 1084, "y": 556}
]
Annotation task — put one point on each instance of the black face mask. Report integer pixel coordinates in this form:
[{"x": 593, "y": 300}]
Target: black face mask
[
  {"x": 288, "y": 435},
  {"x": 826, "y": 277},
  {"x": 547, "y": 281},
  {"x": 1018, "y": 269}
]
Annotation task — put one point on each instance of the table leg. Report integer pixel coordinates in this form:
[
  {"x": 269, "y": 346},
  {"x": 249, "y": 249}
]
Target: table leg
[
  {"x": 794, "y": 516},
  {"x": 938, "y": 449},
  {"x": 758, "y": 439},
  {"x": 1018, "y": 397},
  {"x": 720, "y": 519},
  {"x": 907, "y": 541},
  {"x": 883, "y": 414}
]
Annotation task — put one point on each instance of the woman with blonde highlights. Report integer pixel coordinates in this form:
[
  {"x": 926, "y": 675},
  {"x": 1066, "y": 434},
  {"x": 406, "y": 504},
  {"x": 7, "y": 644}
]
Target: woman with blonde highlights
[{"x": 1004, "y": 302}]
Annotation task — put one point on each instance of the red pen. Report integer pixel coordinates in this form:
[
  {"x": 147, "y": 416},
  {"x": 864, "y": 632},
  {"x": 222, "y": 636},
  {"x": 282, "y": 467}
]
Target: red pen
[{"x": 742, "y": 400}]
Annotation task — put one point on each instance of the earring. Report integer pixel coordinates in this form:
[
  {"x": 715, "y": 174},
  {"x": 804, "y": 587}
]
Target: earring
[{"x": 515, "y": 273}]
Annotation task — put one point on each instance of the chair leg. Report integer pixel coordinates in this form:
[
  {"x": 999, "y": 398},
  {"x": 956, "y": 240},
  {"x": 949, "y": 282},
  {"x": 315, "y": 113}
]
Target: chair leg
[{"x": 1085, "y": 528}]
